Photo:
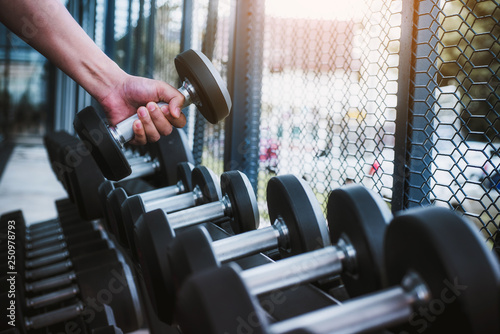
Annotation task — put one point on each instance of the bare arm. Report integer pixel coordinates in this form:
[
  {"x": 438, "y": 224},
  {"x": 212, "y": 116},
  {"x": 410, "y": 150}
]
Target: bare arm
[{"x": 49, "y": 28}]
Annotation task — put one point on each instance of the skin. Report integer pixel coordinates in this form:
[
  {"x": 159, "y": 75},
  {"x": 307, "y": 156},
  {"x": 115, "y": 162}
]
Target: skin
[{"x": 48, "y": 27}]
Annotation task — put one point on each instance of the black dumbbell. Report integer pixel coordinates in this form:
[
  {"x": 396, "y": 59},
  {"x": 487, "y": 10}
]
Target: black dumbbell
[
  {"x": 118, "y": 196},
  {"x": 159, "y": 166},
  {"x": 57, "y": 254},
  {"x": 42, "y": 238},
  {"x": 112, "y": 285},
  {"x": 202, "y": 86},
  {"x": 154, "y": 230},
  {"x": 357, "y": 220},
  {"x": 206, "y": 189},
  {"x": 432, "y": 258}
]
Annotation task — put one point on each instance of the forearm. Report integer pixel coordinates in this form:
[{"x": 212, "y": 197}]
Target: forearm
[{"x": 49, "y": 28}]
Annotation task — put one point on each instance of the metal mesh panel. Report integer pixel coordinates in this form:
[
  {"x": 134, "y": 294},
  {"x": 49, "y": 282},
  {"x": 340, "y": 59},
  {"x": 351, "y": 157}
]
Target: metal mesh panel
[
  {"x": 329, "y": 94},
  {"x": 455, "y": 110}
]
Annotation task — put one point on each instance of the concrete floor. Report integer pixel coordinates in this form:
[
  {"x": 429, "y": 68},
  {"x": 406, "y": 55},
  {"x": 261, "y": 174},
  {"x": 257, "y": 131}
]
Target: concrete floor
[{"x": 29, "y": 184}]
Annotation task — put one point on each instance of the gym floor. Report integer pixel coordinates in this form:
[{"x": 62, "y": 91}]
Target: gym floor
[{"x": 28, "y": 182}]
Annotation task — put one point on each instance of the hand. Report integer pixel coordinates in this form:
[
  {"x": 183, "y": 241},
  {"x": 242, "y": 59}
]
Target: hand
[{"x": 137, "y": 94}]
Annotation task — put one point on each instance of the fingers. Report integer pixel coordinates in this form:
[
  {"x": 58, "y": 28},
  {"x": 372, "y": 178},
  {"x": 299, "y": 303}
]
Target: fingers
[
  {"x": 173, "y": 97},
  {"x": 152, "y": 124},
  {"x": 178, "y": 122}
]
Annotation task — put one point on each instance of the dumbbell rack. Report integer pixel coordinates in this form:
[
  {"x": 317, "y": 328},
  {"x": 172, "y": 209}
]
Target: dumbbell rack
[{"x": 300, "y": 299}]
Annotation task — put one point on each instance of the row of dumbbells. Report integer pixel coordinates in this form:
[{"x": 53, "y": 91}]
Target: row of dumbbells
[
  {"x": 65, "y": 272},
  {"x": 358, "y": 223},
  {"x": 411, "y": 270},
  {"x": 43, "y": 244}
]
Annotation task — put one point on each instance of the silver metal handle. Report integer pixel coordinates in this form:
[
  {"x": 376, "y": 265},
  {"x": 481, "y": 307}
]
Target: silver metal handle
[
  {"x": 52, "y": 282},
  {"x": 54, "y": 317},
  {"x": 245, "y": 244},
  {"x": 124, "y": 132}
]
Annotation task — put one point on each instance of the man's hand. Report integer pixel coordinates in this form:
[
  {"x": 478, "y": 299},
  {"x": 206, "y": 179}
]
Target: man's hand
[{"x": 137, "y": 94}]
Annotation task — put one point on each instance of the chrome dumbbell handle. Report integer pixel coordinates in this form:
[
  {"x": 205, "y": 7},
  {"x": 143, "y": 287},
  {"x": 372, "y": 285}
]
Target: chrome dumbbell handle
[
  {"x": 200, "y": 214},
  {"x": 164, "y": 192},
  {"x": 52, "y": 297},
  {"x": 378, "y": 310},
  {"x": 123, "y": 131},
  {"x": 54, "y": 317},
  {"x": 50, "y": 270},
  {"x": 46, "y": 250},
  {"x": 51, "y": 282},
  {"x": 173, "y": 203},
  {"x": 46, "y": 260},
  {"x": 239, "y": 245}
]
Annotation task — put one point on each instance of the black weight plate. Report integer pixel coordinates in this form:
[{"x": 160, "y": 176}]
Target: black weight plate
[
  {"x": 170, "y": 151},
  {"x": 291, "y": 199},
  {"x": 105, "y": 188},
  {"x": 85, "y": 179},
  {"x": 131, "y": 209},
  {"x": 451, "y": 257},
  {"x": 208, "y": 183},
  {"x": 184, "y": 175},
  {"x": 89, "y": 246},
  {"x": 361, "y": 216},
  {"x": 191, "y": 252},
  {"x": 244, "y": 207},
  {"x": 214, "y": 100},
  {"x": 113, "y": 284},
  {"x": 105, "y": 150},
  {"x": 114, "y": 217},
  {"x": 152, "y": 235},
  {"x": 216, "y": 301}
]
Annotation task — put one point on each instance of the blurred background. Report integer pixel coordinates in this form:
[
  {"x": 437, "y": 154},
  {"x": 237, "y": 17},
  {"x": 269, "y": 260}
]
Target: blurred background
[{"x": 400, "y": 96}]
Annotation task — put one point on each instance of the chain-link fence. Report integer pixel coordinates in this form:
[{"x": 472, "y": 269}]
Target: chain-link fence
[
  {"x": 400, "y": 96},
  {"x": 453, "y": 127}
]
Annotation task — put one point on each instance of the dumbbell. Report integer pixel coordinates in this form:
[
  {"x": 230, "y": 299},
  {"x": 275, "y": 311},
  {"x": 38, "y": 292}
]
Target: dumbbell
[
  {"x": 56, "y": 248},
  {"x": 206, "y": 189},
  {"x": 37, "y": 267},
  {"x": 441, "y": 278},
  {"x": 357, "y": 220},
  {"x": 154, "y": 230},
  {"x": 67, "y": 283},
  {"x": 118, "y": 196},
  {"x": 202, "y": 86},
  {"x": 55, "y": 255},
  {"x": 35, "y": 240},
  {"x": 160, "y": 166},
  {"x": 114, "y": 285}
]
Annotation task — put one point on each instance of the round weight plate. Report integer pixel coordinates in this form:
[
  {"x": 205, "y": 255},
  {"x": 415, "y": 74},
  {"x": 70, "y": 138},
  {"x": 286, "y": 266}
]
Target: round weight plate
[
  {"x": 191, "y": 252},
  {"x": 104, "y": 189},
  {"x": 90, "y": 246},
  {"x": 208, "y": 183},
  {"x": 184, "y": 174},
  {"x": 291, "y": 199},
  {"x": 105, "y": 150},
  {"x": 85, "y": 178},
  {"x": 216, "y": 301},
  {"x": 214, "y": 100},
  {"x": 452, "y": 259},
  {"x": 114, "y": 203},
  {"x": 244, "y": 207},
  {"x": 360, "y": 217},
  {"x": 152, "y": 237},
  {"x": 171, "y": 150},
  {"x": 131, "y": 209},
  {"x": 121, "y": 296}
]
